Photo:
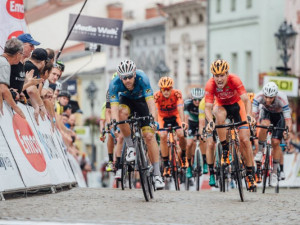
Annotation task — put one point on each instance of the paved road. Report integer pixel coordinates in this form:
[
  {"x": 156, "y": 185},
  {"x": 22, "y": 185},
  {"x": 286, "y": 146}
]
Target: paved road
[{"x": 113, "y": 206}]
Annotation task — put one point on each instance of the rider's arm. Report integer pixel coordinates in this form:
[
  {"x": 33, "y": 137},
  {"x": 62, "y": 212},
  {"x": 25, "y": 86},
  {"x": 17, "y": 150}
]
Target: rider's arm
[
  {"x": 181, "y": 114},
  {"x": 186, "y": 112},
  {"x": 151, "y": 106},
  {"x": 247, "y": 103},
  {"x": 208, "y": 111},
  {"x": 201, "y": 125},
  {"x": 114, "y": 101}
]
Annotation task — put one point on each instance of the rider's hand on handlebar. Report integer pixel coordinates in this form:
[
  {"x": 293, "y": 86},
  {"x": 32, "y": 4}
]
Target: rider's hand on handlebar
[
  {"x": 102, "y": 137},
  {"x": 251, "y": 120},
  {"x": 184, "y": 125},
  {"x": 210, "y": 126}
]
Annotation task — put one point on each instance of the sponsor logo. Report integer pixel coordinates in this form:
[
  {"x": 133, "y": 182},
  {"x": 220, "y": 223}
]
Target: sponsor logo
[
  {"x": 219, "y": 89},
  {"x": 5, "y": 162},
  {"x": 148, "y": 91},
  {"x": 28, "y": 143},
  {"x": 15, "y": 8},
  {"x": 15, "y": 34}
]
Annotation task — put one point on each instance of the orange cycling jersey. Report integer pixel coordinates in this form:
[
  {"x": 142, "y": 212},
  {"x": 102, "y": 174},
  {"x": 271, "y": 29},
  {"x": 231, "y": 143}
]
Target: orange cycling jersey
[
  {"x": 167, "y": 107},
  {"x": 227, "y": 95}
]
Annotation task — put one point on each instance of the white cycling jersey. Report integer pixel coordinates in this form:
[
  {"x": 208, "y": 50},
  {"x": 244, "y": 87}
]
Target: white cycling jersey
[{"x": 280, "y": 104}]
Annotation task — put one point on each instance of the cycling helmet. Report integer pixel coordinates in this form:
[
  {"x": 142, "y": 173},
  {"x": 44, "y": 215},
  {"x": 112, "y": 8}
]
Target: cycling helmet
[
  {"x": 251, "y": 96},
  {"x": 126, "y": 67},
  {"x": 219, "y": 66},
  {"x": 114, "y": 75},
  {"x": 197, "y": 93},
  {"x": 165, "y": 82},
  {"x": 270, "y": 89}
]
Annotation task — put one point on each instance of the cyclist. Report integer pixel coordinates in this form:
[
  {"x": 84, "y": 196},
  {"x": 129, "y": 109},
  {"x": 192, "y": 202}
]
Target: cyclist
[
  {"x": 230, "y": 100},
  {"x": 191, "y": 111},
  {"x": 275, "y": 110},
  {"x": 169, "y": 110},
  {"x": 131, "y": 92}
]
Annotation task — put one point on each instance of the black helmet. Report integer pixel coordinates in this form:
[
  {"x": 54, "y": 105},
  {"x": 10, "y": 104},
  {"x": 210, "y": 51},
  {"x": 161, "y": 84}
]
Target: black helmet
[{"x": 64, "y": 93}]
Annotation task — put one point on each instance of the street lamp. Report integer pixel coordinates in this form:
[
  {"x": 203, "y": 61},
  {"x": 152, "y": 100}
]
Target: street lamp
[
  {"x": 285, "y": 40},
  {"x": 92, "y": 91}
]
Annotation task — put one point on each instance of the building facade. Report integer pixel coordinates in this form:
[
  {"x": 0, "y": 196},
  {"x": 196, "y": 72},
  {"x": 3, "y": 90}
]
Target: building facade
[
  {"x": 186, "y": 42},
  {"x": 242, "y": 32}
]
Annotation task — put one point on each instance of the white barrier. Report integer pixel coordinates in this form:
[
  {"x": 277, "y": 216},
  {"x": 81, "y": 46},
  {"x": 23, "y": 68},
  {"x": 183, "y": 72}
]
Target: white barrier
[{"x": 32, "y": 155}]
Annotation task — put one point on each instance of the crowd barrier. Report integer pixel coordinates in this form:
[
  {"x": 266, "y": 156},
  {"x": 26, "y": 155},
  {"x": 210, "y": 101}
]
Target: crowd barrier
[{"x": 33, "y": 156}]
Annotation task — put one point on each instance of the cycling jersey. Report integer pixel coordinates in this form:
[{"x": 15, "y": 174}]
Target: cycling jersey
[
  {"x": 280, "y": 104},
  {"x": 103, "y": 110},
  {"x": 191, "y": 110},
  {"x": 202, "y": 109},
  {"x": 228, "y": 95},
  {"x": 142, "y": 88},
  {"x": 168, "y": 107}
]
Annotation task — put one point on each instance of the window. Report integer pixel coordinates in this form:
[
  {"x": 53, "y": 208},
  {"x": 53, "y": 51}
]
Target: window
[
  {"x": 218, "y": 9},
  {"x": 137, "y": 43},
  {"x": 174, "y": 22},
  {"x": 187, "y": 20},
  {"x": 201, "y": 67},
  {"x": 188, "y": 70},
  {"x": 249, "y": 4},
  {"x": 234, "y": 67},
  {"x": 175, "y": 64},
  {"x": 119, "y": 52},
  {"x": 154, "y": 40},
  {"x": 233, "y": 5},
  {"x": 163, "y": 39},
  {"x": 111, "y": 52},
  {"x": 249, "y": 68},
  {"x": 145, "y": 42},
  {"x": 218, "y": 56},
  {"x": 127, "y": 50},
  {"x": 200, "y": 18}
]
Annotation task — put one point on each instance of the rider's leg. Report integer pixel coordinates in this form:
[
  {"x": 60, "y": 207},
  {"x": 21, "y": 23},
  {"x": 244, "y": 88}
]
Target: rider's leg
[
  {"x": 119, "y": 148},
  {"x": 276, "y": 154},
  {"x": 190, "y": 150},
  {"x": 182, "y": 143},
  {"x": 152, "y": 146},
  {"x": 124, "y": 112},
  {"x": 210, "y": 147},
  {"x": 220, "y": 115},
  {"x": 203, "y": 151},
  {"x": 110, "y": 148}
]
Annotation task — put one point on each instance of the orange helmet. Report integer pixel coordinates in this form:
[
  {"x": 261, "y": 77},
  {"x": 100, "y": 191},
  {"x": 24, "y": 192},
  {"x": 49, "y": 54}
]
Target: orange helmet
[
  {"x": 219, "y": 66},
  {"x": 251, "y": 96},
  {"x": 165, "y": 82}
]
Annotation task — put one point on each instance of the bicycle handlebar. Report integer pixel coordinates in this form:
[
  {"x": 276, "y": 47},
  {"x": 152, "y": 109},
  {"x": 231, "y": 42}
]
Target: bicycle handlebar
[
  {"x": 271, "y": 127},
  {"x": 231, "y": 125},
  {"x": 132, "y": 120}
]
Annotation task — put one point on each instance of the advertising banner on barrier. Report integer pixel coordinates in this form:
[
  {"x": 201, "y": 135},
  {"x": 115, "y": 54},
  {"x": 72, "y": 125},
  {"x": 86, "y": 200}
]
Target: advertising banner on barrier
[
  {"x": 9, "y": 173},
  {"x": 77, "y": 171},
  {"x": 291, "y": 170},
  {"x": 25, "y": 148},
  {"x": 288, "y": 85},
  {"x": 56, "y": 163}
]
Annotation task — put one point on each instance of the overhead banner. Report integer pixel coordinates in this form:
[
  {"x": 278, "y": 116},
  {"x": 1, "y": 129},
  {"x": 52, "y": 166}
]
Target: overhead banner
[
  {"x": 12, "y": 22},
  {"x": 96, "y": 30},
  {"x": 288, "y": 85}
]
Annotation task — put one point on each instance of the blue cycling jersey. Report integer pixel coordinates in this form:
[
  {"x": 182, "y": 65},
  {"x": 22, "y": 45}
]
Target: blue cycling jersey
[{"x": 142, "y": 88}]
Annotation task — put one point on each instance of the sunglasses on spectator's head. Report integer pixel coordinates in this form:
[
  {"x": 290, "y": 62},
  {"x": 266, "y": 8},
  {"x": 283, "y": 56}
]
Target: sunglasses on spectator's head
[
  {"x": 127, "y": 77},
  {"x": 165, "y": 89}
]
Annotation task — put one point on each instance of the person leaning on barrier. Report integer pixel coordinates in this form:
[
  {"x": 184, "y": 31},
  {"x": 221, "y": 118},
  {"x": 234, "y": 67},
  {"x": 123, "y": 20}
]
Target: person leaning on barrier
[
  {"x": 37, "y": 63},
  {"x": 13, "y": 51}
]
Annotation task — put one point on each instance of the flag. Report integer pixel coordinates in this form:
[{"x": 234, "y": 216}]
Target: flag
[{"x": 12, "y": 22}]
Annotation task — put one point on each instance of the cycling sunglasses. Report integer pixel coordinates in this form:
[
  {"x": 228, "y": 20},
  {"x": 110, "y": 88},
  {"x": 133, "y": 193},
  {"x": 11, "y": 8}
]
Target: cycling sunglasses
[
  {"x": 197, "y": 99},
  {"x": 165, "y": 89},
  {"x": 127, "y": 77}
]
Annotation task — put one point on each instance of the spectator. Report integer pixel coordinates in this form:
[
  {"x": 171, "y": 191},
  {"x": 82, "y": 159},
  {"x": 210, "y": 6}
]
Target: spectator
[
  {"x": 13, "y": 51},
  {"x": 36, "y": 62},
  {"x": 51, "y": 54},
  {"x": 17, "y": 75},
  {"x": 63, "y": 100}
]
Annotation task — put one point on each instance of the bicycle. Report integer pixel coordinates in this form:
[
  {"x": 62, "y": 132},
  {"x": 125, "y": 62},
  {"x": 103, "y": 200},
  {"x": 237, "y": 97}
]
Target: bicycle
[
  {"x": 267, "y": 160},
  {"x": 175, "y": 159},
  {"x": 142, "y": 160},
  {"x": 237, "y": 169}
]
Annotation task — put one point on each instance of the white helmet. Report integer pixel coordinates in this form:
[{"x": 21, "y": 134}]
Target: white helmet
[
  {"x": 197, "y": 93},
  {"x": 270, "y": 89},
  {"x": 126, "y": 67}
]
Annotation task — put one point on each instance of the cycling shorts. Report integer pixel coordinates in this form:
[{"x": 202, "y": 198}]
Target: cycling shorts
[
  {"x": 193, "y": 128},
  {"x": 173, "y": 120},
  {"x": 277, "y": 119}
]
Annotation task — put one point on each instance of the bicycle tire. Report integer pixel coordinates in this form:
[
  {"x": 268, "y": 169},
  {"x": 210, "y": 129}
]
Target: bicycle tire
[
  {"x": 124, "y": 168},
  {"x": 198, "y": 170},
  {"x": 278, "y": 179},
  {"x": 266, "y": 169},
  {"x": 238, "y": 173},
  {"x": 175, "y": 169},
  {"x": 220, "y": 177},
  {"x": 142, "y": 168}
]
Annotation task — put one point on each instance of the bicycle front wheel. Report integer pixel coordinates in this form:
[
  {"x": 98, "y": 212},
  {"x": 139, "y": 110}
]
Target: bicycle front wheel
[
  {"x": 143, "y": 170},
  {"x": 175, "y": 167},
  {"x": 124, "y": 168},
  {"x": 198, "y": 169},
  {"x": 266, "y": 169},
  {"x": 238, "y": 173}
]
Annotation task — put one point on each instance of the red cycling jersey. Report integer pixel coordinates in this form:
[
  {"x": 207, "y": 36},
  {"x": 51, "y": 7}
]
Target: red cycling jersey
[
  {"x": 228, "y": 95},
  {"x": 167, "y": 107}
]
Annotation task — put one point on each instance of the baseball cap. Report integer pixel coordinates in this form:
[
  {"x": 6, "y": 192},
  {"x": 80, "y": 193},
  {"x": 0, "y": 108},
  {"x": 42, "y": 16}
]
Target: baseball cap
[
  {"x": 27, "y": 38},
  {"x": 39, "y": 54},
  {"x": 65, "y": 94}
]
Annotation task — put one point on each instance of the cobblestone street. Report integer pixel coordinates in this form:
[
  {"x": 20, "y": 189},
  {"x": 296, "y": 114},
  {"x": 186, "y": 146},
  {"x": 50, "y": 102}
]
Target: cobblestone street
[{"x": 114, "y": 206}]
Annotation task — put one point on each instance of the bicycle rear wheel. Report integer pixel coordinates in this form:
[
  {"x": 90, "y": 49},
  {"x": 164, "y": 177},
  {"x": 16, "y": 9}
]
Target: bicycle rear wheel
[
  {"x": 278, "y": 179},
  {"x": 266, "y": 169},
  {"x": 219, "y": 169},
  {"x": 198, "y": 169},
  {"x": 143, "y": 170},
  {"x": 238, "y": 173},
  {"x": 175, "y": 167}
]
